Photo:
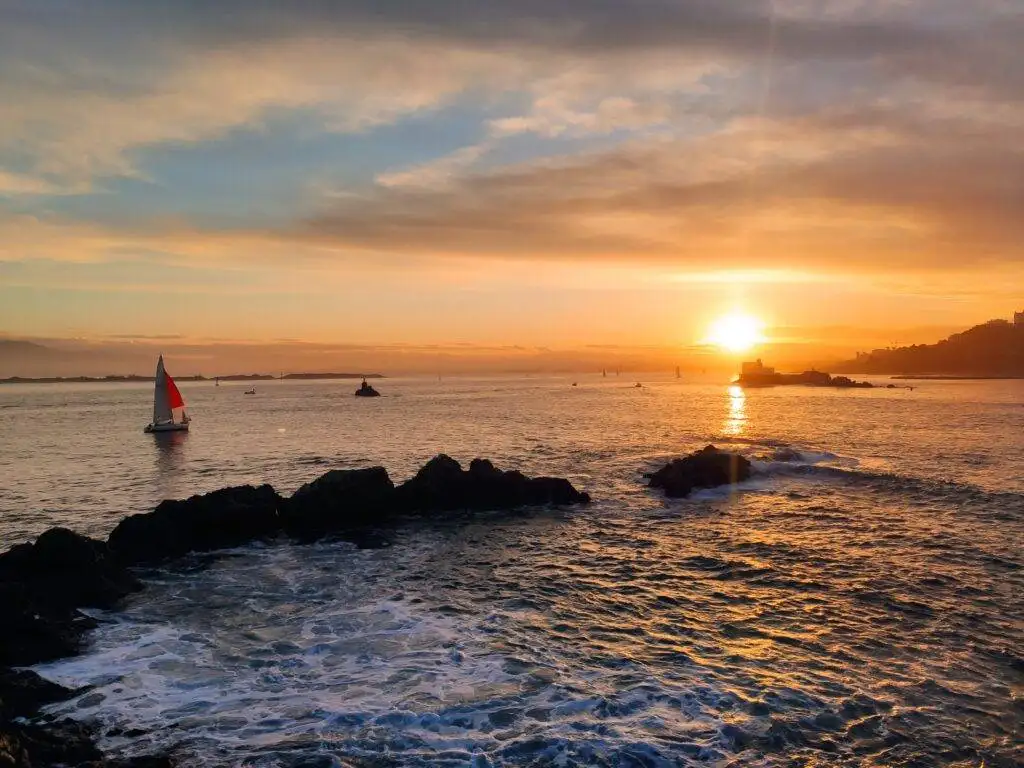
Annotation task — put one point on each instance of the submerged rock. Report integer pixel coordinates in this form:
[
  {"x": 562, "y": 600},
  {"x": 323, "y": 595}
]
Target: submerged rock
[
  {"x": 707, "y": 468},
  {"x": 229, "y": 517},
  {"x": 340, "y": 500},
  {"x": 442, "y": 485}
]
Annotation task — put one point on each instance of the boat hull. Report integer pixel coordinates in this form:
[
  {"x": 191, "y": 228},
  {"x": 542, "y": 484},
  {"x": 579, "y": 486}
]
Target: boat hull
[{"x": 172, "y": 427}]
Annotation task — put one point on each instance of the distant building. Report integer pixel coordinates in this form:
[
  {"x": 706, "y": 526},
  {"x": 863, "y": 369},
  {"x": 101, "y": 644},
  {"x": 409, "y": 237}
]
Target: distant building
[
  {"x": 1018, "y": 318},
  {"x": 757, "y": 368}
]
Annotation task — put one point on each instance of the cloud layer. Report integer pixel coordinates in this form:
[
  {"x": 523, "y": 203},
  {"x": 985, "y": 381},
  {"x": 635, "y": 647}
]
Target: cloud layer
[{"x": 837, "y": 137}]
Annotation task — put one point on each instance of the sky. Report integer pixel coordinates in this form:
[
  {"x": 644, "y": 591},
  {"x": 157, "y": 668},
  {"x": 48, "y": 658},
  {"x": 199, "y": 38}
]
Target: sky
[{"x": 477, "y": 175}]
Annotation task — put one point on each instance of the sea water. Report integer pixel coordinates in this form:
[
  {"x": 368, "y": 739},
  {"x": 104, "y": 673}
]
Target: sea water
[{"x": 858, "y": 602}]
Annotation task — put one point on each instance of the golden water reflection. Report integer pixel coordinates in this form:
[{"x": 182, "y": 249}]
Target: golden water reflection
[
  {"x": 737, "y": 416},
  {"x": 169, "y": 461}
]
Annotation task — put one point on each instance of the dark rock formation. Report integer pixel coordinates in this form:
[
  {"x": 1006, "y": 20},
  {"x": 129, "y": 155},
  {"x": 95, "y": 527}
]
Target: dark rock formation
[
  {"x": 442, "y": 485},
  {"x": 23, "y": 693},
  {"x": 63, "y": 743},
  {"x": 225, "y": 518},
  {"x": 341, "y": 500},
  {"x": 67, "y": 570},
  {"x": 42, "y": 584},
  {"x": 707, "y": 468}
]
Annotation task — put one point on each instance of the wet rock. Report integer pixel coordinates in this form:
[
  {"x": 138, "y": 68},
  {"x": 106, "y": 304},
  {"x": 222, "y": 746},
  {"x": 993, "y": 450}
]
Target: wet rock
[
  {"x": 23, "y": 693},
  {"x": 442, "y": 485},
  {"x": 342, "y": 499},
  {"x": 62, "y": 743},
  {"x": 41, "y": 586},
  {"x": 31, "y": 633},
  {"x": 63, "y": 569},
  {"x": 707, "y": 468},
  {"x": 229, "y": 517}
]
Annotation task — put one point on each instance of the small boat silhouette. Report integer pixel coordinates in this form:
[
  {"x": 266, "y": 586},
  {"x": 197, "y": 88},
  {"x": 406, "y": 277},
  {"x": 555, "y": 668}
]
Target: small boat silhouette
[{"x": 365, "y": 390}]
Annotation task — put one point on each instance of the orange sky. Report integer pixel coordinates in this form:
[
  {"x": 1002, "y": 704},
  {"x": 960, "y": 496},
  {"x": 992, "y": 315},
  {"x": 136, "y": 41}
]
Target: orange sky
[{"x": 534, "y": 174}]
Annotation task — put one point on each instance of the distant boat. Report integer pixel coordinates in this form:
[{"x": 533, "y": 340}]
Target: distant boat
[
  {"x": 677, "y": 371},
  {"x": 365, "y": 390},
  {"x": 637, "y": 385},
  {"x": 168, "y": 404},
  {"x": 604, "y": 373},
  {"x": 574, "y": 383},
  {"x": 216, "y": 382},
  {"x": 251, "y": 391}
]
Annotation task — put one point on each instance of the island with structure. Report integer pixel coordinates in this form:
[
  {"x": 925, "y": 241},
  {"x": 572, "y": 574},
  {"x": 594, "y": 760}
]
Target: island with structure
[{"x": 757, "y": 374}]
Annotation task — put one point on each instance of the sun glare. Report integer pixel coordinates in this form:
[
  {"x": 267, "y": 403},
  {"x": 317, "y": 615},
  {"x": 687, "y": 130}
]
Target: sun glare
[{"x": 736, "y": 332}]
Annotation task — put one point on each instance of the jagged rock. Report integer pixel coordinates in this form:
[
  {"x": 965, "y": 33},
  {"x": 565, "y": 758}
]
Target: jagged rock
[
  {"x": 225, "y": 518},
  {"x": 340, "y": 500},
  {"x": 442, "y": 485},
  {"x": 30, "y": 633},
  {"x": 63, "y": 569},
  {"x": 23, "y": 693},
  {"x": 41, "y": 585},
  {"x": 62, "y": 743},
  {"x": 707, "y": 468}
]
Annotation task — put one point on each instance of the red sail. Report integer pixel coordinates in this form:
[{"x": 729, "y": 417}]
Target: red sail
[{"x": 174, "y": 398}]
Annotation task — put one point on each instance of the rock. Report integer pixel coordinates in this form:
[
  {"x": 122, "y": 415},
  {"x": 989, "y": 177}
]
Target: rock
[
  {"x": 62, "y": 743},
  {"x": 31, "y": 633},
  {"x": 23, "y": 693},
  {"x": 64, "y": 569},
  {"x": 42, "y": 584},
  {"x": 342, "y": 499},
  {"x": 707, "y": 468},
  {"x": 442, "y": 485},
  {"x": 229, "y": 517}
]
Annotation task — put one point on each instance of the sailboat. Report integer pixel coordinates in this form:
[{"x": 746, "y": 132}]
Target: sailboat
[{"x": 168, "y": 405}]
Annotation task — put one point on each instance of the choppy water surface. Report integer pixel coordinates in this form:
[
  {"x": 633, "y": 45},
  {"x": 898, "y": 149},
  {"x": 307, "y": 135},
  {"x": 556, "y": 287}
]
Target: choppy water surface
[{"x": 859, "y": 603}]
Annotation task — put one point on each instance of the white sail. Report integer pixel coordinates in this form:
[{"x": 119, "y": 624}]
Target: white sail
[{"x": 161, "y": 404}]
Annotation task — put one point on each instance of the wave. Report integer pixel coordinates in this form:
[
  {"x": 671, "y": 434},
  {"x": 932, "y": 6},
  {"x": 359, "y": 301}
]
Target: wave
[{"x": 788, "y": 460}]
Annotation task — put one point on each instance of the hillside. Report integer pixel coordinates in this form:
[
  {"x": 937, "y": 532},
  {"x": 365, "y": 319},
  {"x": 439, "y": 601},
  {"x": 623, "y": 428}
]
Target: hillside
[{"x": 993, "y": 349}]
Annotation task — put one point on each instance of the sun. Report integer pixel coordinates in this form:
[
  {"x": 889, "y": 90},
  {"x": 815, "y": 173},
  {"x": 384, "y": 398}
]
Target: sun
[{"x": 736, "y": 332}]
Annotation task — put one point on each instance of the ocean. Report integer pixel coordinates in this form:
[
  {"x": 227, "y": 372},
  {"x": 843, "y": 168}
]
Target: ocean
[{"x": 859, "y": 602}]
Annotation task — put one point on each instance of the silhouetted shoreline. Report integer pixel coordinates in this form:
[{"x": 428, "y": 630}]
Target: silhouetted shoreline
[
  {"x": 992, "y": 350},
  {"x": 233, "y": 377},
  {"x": 942, "y": 377}
]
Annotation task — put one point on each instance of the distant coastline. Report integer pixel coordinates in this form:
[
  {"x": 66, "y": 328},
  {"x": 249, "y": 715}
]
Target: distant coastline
[
  {"x": 142, "y": 379},
  {"x": 944, "y": 377},
  {"x": 992, "y": 350}
]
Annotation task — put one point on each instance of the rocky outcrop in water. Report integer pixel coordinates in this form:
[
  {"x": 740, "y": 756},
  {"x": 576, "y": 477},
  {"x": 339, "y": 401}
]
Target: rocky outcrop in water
[
  {"x": 43, "y": 584},
  {"x": 442, "y": 485},
  {"x": 229, "y": 517},
  {"x": 707, "y": 468},
  {"x": 340, "y": 500},
  {"x": 64, "y": 742}
]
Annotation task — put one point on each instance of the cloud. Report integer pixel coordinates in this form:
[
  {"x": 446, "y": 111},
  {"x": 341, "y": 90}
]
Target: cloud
[
  {"x": 822, "y": 136},
  {"x": 885, "y": 188},
  {"x": 86, "y": 85}
]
